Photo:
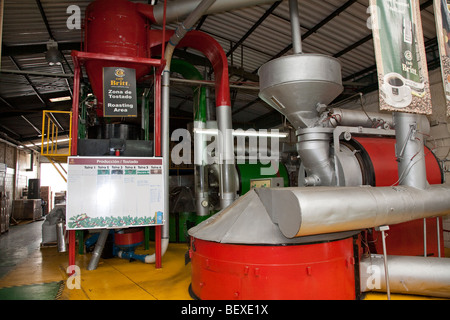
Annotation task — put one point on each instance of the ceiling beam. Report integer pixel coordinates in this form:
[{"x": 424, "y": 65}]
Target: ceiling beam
[
  {"x": 317, "y": 26},
  {"x": 253, "y": 28},
  {"x": 44, "y": 17},
  {"x": 29, "y": 81}
]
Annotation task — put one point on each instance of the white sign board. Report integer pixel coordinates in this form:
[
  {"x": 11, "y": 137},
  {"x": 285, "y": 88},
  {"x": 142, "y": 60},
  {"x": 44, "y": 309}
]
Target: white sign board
[{"x": 114, "y": 192}]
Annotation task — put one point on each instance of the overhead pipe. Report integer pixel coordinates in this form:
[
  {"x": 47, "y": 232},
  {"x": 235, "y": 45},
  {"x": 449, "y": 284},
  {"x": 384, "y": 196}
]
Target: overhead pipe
[
  {"x": 177, "y": 10},
  {"x": 295, "y": 27},
  {"x": 214, "y": 53},
  {"x": 407, "y": 275}
]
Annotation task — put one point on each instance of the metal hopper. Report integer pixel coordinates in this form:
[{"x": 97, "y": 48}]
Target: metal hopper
[{"x": 297, "y": 84}]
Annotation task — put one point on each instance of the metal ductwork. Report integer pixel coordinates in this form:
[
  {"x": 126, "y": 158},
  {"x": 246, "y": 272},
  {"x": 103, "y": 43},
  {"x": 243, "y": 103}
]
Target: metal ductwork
[
  {"x": 407, "y": 275},
  {"x": 324, "y": 209}
]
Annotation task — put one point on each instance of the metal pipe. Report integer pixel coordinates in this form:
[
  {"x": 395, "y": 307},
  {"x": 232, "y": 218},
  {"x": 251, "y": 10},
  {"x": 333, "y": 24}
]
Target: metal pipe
[
  {"x": 60, "y": 236},
  {"x": 93, "y": 263},
  {"x": 409, "y": 130},
  {"x": 407, "y": 275},
  {"x": 322, "y": 210},
  {"x": 386, "y": 268},
  {"x": 165, "y": 101},
  {"x": 295, "y": 27},
  {"x": 177, "y": 10},
  {"x": 359, "y": 118},
  {"x": 313, "y": 147}
]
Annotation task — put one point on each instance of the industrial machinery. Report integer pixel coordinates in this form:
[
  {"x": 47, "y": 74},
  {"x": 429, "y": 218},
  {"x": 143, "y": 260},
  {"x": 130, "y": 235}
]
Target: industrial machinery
[
  {"x": 357, "y": 180},
  {"x": 319, "y": 240},
  {"x": 111, "y": 114}
]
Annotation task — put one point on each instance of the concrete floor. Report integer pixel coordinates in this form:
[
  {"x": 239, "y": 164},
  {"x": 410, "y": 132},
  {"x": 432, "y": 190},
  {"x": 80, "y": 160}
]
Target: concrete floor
[{"x": 24, "y": 262}]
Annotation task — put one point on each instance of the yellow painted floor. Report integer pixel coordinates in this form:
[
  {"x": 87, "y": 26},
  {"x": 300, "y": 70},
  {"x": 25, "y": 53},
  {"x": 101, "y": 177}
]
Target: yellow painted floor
[{"x": 24, "y": 262}]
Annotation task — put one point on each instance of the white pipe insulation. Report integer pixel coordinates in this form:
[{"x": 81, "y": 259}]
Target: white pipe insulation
[
  {"x": 321, "y": 210},
  {"x": 407, "y": 275}
]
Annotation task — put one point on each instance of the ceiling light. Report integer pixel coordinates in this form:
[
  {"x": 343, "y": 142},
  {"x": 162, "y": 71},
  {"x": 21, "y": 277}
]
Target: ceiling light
[
  {"x": 53, "y": 56},
  {"x": 59, "y": 99}
]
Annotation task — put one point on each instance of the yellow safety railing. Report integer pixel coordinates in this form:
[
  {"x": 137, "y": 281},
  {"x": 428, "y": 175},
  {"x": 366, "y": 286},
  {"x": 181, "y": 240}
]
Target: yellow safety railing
[{"x": 49, "y": 145}]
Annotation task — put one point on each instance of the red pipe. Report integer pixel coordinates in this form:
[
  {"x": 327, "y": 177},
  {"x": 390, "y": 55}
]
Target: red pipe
[{"x": 211, "y": 49}]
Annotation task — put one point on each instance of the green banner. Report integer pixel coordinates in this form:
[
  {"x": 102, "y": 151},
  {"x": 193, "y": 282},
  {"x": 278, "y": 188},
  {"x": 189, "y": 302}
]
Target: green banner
[
  {"x": 442, "y": 16},
  {"x": 400, "y": 56}
]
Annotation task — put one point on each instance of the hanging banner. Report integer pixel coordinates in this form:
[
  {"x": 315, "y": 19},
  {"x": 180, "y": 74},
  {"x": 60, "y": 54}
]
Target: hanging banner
[
  {"x": 400, "y": 56},
  {"x": 119, "y": 92},
  {"x": 442, "y": 16}
]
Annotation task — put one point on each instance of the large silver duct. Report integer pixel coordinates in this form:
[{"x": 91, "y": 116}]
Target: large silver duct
[
  {"x": 308, "y": 211},
  {"x": 407, "y": 275}
]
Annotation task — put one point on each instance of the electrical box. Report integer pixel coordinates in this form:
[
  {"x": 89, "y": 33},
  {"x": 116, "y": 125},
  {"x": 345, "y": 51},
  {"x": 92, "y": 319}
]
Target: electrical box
[{"x": 114, "y": 192}]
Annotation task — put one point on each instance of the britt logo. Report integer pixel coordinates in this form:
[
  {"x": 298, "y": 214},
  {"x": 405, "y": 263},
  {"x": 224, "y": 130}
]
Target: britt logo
[{"x": 120, "y": 73}]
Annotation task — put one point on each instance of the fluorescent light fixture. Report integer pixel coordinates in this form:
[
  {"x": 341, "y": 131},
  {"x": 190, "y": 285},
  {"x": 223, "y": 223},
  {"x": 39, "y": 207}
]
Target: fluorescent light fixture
[
  {"x": 244, "y": 133},
  {"x": 59, "y": 99},
  {"x": 53, "y": 55}
]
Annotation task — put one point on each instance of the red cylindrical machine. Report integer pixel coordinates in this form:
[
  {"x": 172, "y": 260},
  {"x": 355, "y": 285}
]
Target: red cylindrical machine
[
  {"x": 308, "y": 270},
  {"x": 323, "y": 270},
  {"x": 114, "y": 27},
  {"x": 377, "y": 158}
]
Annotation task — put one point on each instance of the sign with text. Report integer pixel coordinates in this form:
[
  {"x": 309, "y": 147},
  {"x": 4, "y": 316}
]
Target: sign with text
[
  {"x": 114, "y": 192},
  {"x": 119, "y": 92},
  {"x": 400, "y": 56},
  {"x": 442, "y": 16}
]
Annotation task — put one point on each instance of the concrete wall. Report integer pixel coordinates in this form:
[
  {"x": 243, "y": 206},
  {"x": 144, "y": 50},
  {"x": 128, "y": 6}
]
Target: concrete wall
[{"x": 20, "y": 168}]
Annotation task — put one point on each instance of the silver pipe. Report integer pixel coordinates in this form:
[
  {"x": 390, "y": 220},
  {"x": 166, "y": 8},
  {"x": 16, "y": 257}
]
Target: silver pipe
[
  {"x": 309, "y": 211},
  {"x": 313, "y": 147},
  {"x": 295, "y": 27},
  {"x": 93, "y": 263},
  {"x": 177, "y": 10},
  {"x": 386, "y": 268},
  {"x": 358, "y": 118},
  {"x": 407, "y": 275},
  {"x": 228, "y": 185},
  {"x": 60, "y": 236},
  {"x": 180, "y": 32},
  {"x": 409, "y": 149}
]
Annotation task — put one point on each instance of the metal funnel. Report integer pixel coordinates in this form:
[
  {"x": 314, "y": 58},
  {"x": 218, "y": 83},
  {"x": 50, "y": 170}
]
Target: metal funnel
[{"x": 296, "y": 84}]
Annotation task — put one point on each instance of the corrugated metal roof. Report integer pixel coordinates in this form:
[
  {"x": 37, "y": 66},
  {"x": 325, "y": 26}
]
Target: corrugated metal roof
[{"x": 24, "y": 26}]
